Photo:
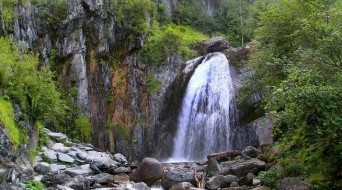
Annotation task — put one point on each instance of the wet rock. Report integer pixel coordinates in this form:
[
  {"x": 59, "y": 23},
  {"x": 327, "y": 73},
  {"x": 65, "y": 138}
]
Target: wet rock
[
  {"x": 293, "y": 183},
  {"x": 251, "y": 152},
  {"x": 3, "y": 174},
  {"x": 59, "y": 147},
  {"x": 120, "y": 158},
  {"x": 79, "y": 170},
  {"x": 215, "y": 44},
  {"x": 42, "y": 168},
  {"x": 241, "y": 169},
  {"x": 213, "y": 168},
  {"x": 65, "y": 158},
  {"x": 149, "y": 170},
  {"x": 53, "y": 179},
  {"x": 178, "y": 175},
  {"x": 50, "y": 154},
  {"x": 220, "y": 181},
  {"x": 181, "y": 186}
]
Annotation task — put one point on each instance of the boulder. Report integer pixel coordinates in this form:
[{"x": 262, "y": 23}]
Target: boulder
[
  {"x": 149, "y": 170},
  {"x": 120, "y": 158},
  {"x": 58, "y": 137},
  {"x": 102, "y": 160},
  {"x": 241, "y": 169},
  {"x": 79, "y": 170},
  {"x": 220, "y": 181},
  {"x": 100, "y": 178},
  {"x": 65, "y": 158},
  {"x": 79, "y": 182},
  {"x": 57, "y": 167},
  {"x": 59, "y": 147},
  {"x": 213, "y": 168},
  {"x": 42, "y": 168},
  {"x": 251, "y": 152},
  {"x": 50, "y": 154},
  {"x": 53, "y": 179},
  {"x": 215, "y": 44},
  {"x": 293, "y": 183},
  {"x": 121, "y": 170},
  {"x": 181, "y": 186},
  {"x": 178, "y": 175}
]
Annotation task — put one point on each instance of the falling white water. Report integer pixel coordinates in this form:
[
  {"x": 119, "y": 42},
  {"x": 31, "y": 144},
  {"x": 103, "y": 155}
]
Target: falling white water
[{"x": 207, "y": 113}]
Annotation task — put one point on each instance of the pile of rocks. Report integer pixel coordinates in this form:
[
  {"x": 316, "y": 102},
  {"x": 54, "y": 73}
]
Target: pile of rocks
[
  {"x": 66, "y": 165},
  {"x": 229, "y": 170}
]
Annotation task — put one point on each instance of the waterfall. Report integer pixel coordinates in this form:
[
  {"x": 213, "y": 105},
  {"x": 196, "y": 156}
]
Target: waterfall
[{"x": 208, "y": 111}]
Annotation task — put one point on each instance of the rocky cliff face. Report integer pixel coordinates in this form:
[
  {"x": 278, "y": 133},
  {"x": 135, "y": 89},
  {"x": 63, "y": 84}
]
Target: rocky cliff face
[{"x": 99, "y": 67}]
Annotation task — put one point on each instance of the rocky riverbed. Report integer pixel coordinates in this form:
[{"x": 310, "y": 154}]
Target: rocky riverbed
[{"x": 66, "y": 165}]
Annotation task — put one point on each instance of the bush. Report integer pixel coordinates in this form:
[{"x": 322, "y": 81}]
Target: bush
[
  {"x": 153, "y": 85},
  {"x": 170, "y": 39},
  {"x": 34, "y": 185},
  {"x": 83, "y": 127},
  {"x": 131, "y": 15},
  {"x": 269, "y": 177},
  {"x": 7, "y": 120}
]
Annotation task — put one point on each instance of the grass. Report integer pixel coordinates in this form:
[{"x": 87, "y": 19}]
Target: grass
[{"x": 7, "y": 119}]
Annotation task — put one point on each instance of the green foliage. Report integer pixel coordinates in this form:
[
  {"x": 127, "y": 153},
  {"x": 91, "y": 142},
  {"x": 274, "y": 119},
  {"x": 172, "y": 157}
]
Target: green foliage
[
  {"x": 169, "y": 39},
  {"x": 131, "y": 15},
  {"x": 269, "y": 177},
  {"x": 153, "y": 85},
  {"x": 83, "y": 127},
  {"x": 31, "y": 87},
  {"x": 298, "y": 62},
  {"x": 7, "y": 120},
  {"x": 54, "y": 12},
  {"x": 43, "y": 137},
  {"x": 34, "y": 185},
  {"x": 7, "y": 11},
  {"x": 191, "y": 13}
]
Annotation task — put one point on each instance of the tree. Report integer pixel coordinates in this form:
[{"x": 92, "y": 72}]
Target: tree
[{"x": 30, "y": 86}]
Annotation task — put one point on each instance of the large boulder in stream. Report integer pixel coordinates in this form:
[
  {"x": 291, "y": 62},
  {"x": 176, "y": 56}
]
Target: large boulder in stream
[
  {"x": 220, "y": 181},
  {"x": 149, "y": 171},
  {"x": 215, "y": 44},
  {"x": 241, "y": 169}
]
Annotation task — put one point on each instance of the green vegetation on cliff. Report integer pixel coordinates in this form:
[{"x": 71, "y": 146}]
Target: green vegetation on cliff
[
  {"x": 30, "y": 86},
  {"x": 7, "y": 121}
]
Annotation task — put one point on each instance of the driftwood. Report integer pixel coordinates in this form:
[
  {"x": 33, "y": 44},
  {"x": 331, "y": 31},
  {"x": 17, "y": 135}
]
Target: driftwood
[
  {"x": 200, "y": 183},
  {"x": 225, "y": 155}
]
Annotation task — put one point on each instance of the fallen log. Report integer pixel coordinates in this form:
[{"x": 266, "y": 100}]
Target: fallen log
[{"x": 225, "y": 155}]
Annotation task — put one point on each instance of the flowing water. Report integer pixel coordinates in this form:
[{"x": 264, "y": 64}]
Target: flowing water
[{"x": 208, "y": 111}]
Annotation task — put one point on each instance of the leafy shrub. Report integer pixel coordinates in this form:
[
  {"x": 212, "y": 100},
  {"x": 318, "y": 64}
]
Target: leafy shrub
[
  {"x": 7, "y": 120},
  {"x": 269, "y": 177},
  {"x": 83, "y": 127},
  {"x": 169, "y": 39},
  {"x": 131, "y": 15},
  {"x": 153, "y": 85},
  {"x": 34, "y": 185}
]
